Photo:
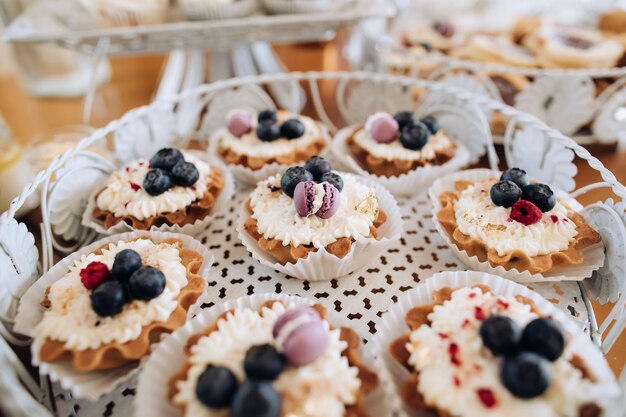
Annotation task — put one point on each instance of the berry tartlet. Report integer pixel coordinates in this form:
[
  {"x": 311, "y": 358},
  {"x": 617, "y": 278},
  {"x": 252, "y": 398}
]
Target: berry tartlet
[
  {"x": 103, "y": 307},
  {"x": 276, "y": 360},
  {"x": 470, "y": 352},
  {"x": 173, "y": 190},
  {"x": 268, "y": 141},
  {"x": 309, "y": 208},
  {"x": 509, "y": 221}
]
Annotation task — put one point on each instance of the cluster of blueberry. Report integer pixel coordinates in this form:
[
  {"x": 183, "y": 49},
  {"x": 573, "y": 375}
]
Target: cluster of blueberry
[
  {"x": 526, "y": 370},
  {"x": 413, "y": 134},
  {"x": 527, "y": 201},
  {"x": 169, "y": 168},
  {"x": 300, "y": 183},
  {"x": 218, "y": 387},
  {"x": 126, "y": 281}
]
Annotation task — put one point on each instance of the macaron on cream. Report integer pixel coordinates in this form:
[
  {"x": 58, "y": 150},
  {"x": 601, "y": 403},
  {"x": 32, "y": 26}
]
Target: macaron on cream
[
  {"x": 311, "y": 207},
  {"x": 279, "y": 360}
]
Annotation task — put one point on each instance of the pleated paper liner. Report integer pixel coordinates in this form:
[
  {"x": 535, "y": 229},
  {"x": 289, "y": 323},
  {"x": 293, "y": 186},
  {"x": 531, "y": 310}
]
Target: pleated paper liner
[
  {"x": 322, "y": 265},
  {"x": 593, "y": 256},
  {"x": 411, "y": 183},
  {"x": 191, "y": 229},
  {"x": 211, "y": 10},
  {"x": 303, "y": 6},
  {"x": 392, "y": 326},
  {"x": 167, "y": 359},
  {"x": 91, "y": 385},
  {"x": 251, "y": 176}
]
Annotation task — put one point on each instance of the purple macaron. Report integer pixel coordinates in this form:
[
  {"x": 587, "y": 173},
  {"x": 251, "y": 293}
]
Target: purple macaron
[
  {"x": 383, "y": 127},
  {"x": 302, "y": 334},
  {"x": 330, "y": 202},
  {"x": 239, "y": 122},
  {"x": 303, "y": 197}
]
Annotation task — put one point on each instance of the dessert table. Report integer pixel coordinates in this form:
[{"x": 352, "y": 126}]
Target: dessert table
[{"x": 136, "y": 79}]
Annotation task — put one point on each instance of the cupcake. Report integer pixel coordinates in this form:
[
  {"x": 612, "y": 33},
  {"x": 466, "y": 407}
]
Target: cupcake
[
  {"x": 470, "y": 352},
  {"x": 511, "y": 222},
  {"x": 390, "y": 146},
  {"x": 311, "y": 208},
  {"x": 280, "y": 359},
  {"x": 496, "y": 50},
  {"x": 128, "y": 13},
  {"x": 110, "y": 304},
  {"x": 438, "y": 35},
  {"x": 265, "y": 143},
  {"x": 173, "y": 189}
]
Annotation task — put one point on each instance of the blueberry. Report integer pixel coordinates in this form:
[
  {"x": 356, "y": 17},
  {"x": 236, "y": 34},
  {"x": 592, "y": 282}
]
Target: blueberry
[
  {"x": 292, "y": 177},
  {"x": 431, "y": 123},
  {"x": 157, "y": 181},
  {"x": 526, "y": 375},
  {"x": 146, "y": 283},
  {"x": 505, "y": 193},
  {"x": 415, "y": 136},
  {"x": 185, "y": 174},
  {"x": 108, "y": 298},
  {"x": 540, "y": 195},
  {"x": 317, "y": 166},
  {"x": 216, "y": 387},
  {"x": 256, "y": 399},
  {"x": 268, "y": 131},
  {"x": 266, "y": 115},
  {"x": 333, "y": 178},
  {"x": 126, "y": 262},
  {"x": 404, "y": 118},
  {"x": 292, "y": 129},
  {"x": 544, "y": 337},
  {"x": 516, "y": 175},
  {"x": 166, "y": 158},
  {"x": 500, "y": 334},
  {"x": 264, "y": 362}
]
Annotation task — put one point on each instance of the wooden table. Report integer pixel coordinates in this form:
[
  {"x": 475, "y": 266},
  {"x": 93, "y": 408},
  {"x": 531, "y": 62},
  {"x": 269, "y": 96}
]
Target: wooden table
[{"x": 135, "y": 80}]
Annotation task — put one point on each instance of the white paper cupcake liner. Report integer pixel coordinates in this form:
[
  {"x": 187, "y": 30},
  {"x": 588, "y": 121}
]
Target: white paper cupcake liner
[
  {"x": 392, "y": 326},
  {"x": 205, "y": 10},
  {"x": 303, "y": 6},
  {"x": 116, "y": 15},
  {"x": 250, "y": 176},
  {"x": 192, "y": 229},
  {"x": 167, "y": 359},
  {"x": 91, "y": 385},
  {"x": 411, "y": 183},
  {"x": 323, "y": 266},
  {"x": 593, "y": 256}
]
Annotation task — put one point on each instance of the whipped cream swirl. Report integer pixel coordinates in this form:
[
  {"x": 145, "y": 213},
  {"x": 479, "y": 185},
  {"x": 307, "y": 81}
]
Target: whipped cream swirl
[
  {"x": 454, "y": 387},
  {"x": 395, "y": 151},
  {"x": 322, "y": 388},
  {"x": 278, "y": 219},
  {"x": 479, "y": 218},
  {"x": 124, "y": 194},
  {"x": 250, "y": 145},
  {"x": 70, "y": 318}
]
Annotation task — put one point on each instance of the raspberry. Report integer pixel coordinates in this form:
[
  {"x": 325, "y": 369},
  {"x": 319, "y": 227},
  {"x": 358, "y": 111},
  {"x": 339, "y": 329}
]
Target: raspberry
[
  {"x": 525, "y": 212},
  {"x": 94, "y": 274}
]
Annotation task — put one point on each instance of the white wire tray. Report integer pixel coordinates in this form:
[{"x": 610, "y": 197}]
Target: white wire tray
[
  {"x": 361, "y": 296},
  {"x": 67, "y": 23}
]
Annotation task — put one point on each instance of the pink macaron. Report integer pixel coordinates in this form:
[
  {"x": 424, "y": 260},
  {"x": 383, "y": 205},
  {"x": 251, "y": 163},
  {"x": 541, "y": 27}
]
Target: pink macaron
[
  {"x": 239, "y": 122},
  {"x": 304, "y": 197},
  {"x": 383, "y": 127},
  {"x": 302, "y": 335},
  {"x": 330, "y": 202}
]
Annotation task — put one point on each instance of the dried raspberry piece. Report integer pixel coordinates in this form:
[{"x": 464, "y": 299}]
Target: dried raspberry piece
[
  {"x": 486, "y": 397},
  {"x": 554, "y": 218},
  {"x": 525, "y": 212},
  {"x": 94, "y": 274},
  {"x": 453, "y": 351},
  {"x": 134, "y": 186},
  {"x": 479, "y": 313}
]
